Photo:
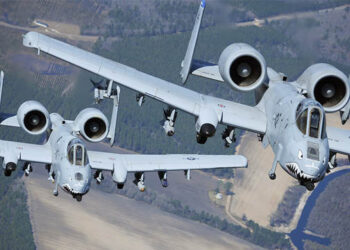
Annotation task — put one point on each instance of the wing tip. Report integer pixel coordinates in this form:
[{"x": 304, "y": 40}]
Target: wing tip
[
  {"x": 203, "y": 3},
  {"x": 244, "y": 161}
]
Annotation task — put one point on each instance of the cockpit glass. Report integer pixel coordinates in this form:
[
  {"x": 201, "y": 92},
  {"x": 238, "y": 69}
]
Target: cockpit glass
[
  {"x": 78, "y": 155},
  {"x": 310, "y": 118},
  {"x": 315, "y": 123},
  {"x": 323, "y": 134},
  {"x": 71, "y": 155},
  {"x": 302, "y": 121}
]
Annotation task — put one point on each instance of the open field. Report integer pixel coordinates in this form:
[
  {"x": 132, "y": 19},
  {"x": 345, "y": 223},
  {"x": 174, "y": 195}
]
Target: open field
[
  {"x": 61, "y": 30},
  {"x": 110, "y": 221},
  {"x": 256, "y": 196},
  {"x": 193, "y": 193},
  {"x": 297, "y": 15}
]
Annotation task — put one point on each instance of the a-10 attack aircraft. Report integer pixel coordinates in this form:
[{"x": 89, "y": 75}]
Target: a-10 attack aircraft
[
  {"x": 69, "y": 162},
  {"x": 289, "y": 116}
]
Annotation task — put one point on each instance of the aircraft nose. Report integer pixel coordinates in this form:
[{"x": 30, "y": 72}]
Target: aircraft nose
[
  {"x": 80, "y": 184},
  {"x": 315, "y": 170},
  {"x": 79, "y": 189},
  {"x": 79, "y": 176}
]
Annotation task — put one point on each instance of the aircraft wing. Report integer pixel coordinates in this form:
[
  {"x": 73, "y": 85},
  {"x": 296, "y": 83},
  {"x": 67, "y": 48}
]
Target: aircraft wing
[
  {"x": 228, "y": 112},
  {"x": 339, "y": 140},
  {"x": 14, "y": 151},
  {"x": 146, "y": 163}
]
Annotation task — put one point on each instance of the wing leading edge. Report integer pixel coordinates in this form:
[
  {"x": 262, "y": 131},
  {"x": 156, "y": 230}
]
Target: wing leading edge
[
  {"x": 146, "y": 163},
  {"x": 338, "y": 140},
  {"x": 231, "y": 113},
  {"x": 15, "y": 151}
]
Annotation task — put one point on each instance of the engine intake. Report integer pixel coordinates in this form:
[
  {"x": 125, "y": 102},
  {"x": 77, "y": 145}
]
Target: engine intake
[
  {"x": 327, "y": 85},
  {"x": 242, "y": 66},
  {"x": 207, "y": 130},
  {"x": 95, "y": 128},
  {"x": 92, "y": 124},
  {"x": 329, "y": 91},
  {"x": 33, "y": 117}
]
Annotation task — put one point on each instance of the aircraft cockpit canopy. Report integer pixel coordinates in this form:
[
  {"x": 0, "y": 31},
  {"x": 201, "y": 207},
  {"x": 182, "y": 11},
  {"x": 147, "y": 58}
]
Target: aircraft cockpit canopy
[
  {"x": 77, "y": 153},
  {"x": 310, "y": 119}
]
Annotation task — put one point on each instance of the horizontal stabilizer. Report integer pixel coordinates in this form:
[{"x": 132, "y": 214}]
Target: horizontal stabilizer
[
  {"x": 206, "y": 70},
  {"x": 9, "y": 120}
]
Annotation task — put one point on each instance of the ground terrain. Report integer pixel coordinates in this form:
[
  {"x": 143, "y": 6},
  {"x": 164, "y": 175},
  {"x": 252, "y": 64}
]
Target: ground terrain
[
  {"x": 107, "y": 220},
  {"x": 255, "y": 196}
]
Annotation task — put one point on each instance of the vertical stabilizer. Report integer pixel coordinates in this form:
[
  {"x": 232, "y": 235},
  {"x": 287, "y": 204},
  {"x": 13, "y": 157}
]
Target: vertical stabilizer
[
  {"x": 187, "y": 62},
  {"x": 1, "y": 83},
  {"x": 111, "y": 133},
  {"x": 344, "y": 113}
]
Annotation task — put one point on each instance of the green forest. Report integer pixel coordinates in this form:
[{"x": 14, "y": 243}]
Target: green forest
[{"x": 15, "y": 227}]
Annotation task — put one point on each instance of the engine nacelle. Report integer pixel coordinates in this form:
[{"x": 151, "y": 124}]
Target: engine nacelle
[
  {"x": 242, "y": 66},
  {"x": 33, "y": 117},
  {"x": 119, "y": 174},
  {"x": 92, "y": 124},
  {"x": 9, "y": 163},
  {"x": 327, "y": 85},
  {"x": 207, "y": 122}
]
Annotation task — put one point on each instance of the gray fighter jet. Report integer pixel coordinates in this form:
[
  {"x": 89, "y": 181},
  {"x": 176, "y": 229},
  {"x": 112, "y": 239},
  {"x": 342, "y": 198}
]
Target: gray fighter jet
[
  {"x": 289, "y": 116},
  {"x": 69, "y": 162}
]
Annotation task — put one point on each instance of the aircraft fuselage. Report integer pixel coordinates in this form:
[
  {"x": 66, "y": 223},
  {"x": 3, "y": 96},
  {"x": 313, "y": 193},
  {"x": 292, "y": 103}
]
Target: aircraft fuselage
[
  {"x": 70, "y": 164},
  {"x": 296, "y": 132}
]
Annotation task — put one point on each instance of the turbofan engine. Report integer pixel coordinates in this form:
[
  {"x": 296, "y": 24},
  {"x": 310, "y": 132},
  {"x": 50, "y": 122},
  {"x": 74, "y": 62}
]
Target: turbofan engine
[
  {"x": 9, "y": 163},
  {"x": 119, "y": 175},
  {"x": 206, "y": 124},
  {"x": 92, "y": 124},
  {"x": 242, "y": 66},
  {"x": 33, "y": 117},
  {"x": 327, "y": 85}
]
